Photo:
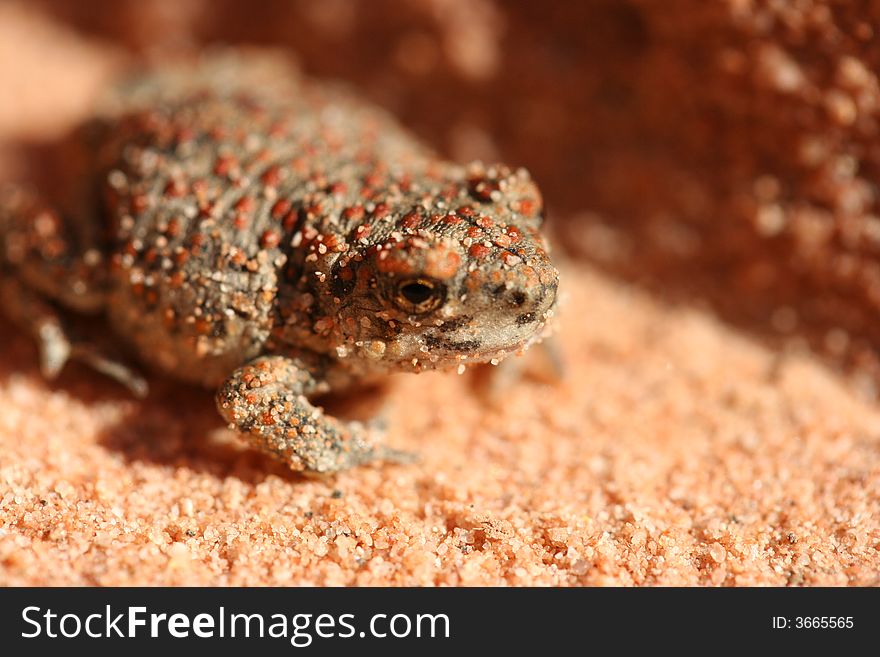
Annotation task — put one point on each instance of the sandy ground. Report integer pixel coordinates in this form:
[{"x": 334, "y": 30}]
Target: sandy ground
[
  {"x": 676, "y": 450},
  {"x": 673, "y": 452}
]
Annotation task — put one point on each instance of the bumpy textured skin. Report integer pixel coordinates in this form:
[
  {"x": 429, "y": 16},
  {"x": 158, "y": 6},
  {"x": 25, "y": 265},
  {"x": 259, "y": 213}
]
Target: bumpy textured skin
[{"x": 245, "y": 230}]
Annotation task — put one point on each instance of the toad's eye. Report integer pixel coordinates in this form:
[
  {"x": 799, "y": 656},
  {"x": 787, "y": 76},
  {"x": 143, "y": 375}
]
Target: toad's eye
[{"x": 419, "y": 295}]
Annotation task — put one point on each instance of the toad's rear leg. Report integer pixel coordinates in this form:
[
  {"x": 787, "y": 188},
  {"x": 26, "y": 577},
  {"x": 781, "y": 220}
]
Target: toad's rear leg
[
  {"x": 265, "y": 401},
  {"x": 44, "y": 261}
]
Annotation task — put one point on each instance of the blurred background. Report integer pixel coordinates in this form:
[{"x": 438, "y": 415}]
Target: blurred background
[{"x": 723, "y": 153}]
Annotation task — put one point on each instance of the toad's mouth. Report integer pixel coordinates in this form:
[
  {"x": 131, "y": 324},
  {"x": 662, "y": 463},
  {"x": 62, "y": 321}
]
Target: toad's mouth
[
  {"x": 483, "y": 346},
  {"x": 448, "y": 354}
]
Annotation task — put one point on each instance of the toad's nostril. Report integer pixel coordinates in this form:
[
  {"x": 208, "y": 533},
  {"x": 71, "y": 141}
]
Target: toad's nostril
[{"x": 525, "y": 318}]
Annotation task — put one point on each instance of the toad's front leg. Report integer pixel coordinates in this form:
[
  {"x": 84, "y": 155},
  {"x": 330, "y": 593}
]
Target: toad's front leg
[{"x": 266, "y": 401}]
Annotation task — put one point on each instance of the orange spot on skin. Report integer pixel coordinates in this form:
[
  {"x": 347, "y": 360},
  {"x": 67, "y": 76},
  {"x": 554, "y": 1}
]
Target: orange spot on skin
[
  {"x": 355, "y": 212},
  {"x": 184, "y": 135},
  {"x": 272, "y": 176},
  {"x": 224, "y": 164},
  {"x": 278, "y": 129},
  {"x": 479, "y": 250},
  {"x": 200, "y": 188},
  {"x": 333, "y": 243},
  {"x": 449, "y": 192},
  {"x": 300, "y": 165},
  {"x": 324, "y": 325},
  {"x": 175, "y": 189},
  {"x": 531, "y": 276},
  {"x": 410, "y": 220},
  {"x": 442, "y": 263},
  {"x": 173, "y": 229},
  {"x": 280, "y": 208},
  {"x": 206, "y": 209},
  {"x": 373, "y": 180},
  {"x": 395, "y": 262},
  {"x": 269, "y": 239},
  {"x": 245, "y": 204},
  {"x": 138, "y": 203},
  {"x": 202, "y": 326},
  {"x": 527, "y": 207},
  {"x": 547, "y": 276},
  {"x": 482, "y": 188},
  {"x": 314, "y": 210}
]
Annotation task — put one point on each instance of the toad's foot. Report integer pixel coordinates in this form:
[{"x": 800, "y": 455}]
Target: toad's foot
[
  {"x": 110, "y": 367},
  {"x": 42, "y": 320},
  {"x": 265, "y": 401}
]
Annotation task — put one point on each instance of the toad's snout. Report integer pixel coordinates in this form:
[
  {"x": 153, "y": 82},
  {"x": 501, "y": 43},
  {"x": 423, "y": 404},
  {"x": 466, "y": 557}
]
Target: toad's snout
[
  {"x": 535, "y": 295},
  {"x": 536, "y": 305}
]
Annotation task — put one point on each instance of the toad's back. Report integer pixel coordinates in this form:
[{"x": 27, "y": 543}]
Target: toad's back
[{"x": 205, "y": 185}]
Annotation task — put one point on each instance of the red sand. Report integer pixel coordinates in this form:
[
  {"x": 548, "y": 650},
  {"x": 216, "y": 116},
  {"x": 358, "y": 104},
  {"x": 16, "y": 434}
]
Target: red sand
[{"x": 676, "y": 450}]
